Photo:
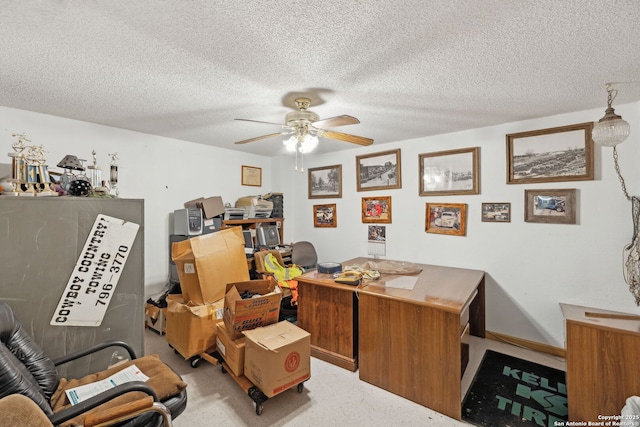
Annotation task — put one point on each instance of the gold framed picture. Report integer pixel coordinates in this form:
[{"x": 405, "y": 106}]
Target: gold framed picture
[
  {"x": 449, "y": 172},
  {"x": 376, "y": 210},
  {"x": 325, "y": 215},
  {"x": 251, "y": 176},
  {"x": 446, "y": 218}
]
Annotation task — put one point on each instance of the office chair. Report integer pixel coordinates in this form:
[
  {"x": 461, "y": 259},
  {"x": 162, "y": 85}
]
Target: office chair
[
  {"x": 25, "y": 369},
  {"x": 258, "y": 260},
  {"x": 304, "y": 254}
]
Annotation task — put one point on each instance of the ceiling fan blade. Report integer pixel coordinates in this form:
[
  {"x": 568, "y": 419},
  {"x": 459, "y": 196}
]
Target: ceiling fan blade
[
  {"x": 258, "y": 138},
  {"x": 258, "y": 121},
  {"x": 332, "y": 122},
  {"x": 345, "y": 137}
]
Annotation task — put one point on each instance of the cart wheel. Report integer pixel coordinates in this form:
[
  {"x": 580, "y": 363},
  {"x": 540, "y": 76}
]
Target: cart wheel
[
  {"x": 224, "y": 371},
  {"x": 259, "y": 408},
  {"x": 195, "y": 361},
  {"x": 300, "y": 387}
]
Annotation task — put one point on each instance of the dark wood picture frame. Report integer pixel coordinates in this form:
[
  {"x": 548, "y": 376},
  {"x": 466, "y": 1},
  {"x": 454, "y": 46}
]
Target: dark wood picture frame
[
  {"x": 325, "y": 215},
  {"x": 251, "y": 176},
  {"x": 496, "y": 212},
  {"x": 446, "y": 218},
  {"x": 376, "y": 210},
  {"x": 325, "y": 182},
  {"x": 550, "y": 206},
  {"x": 451, "y": 172},
  {"x": 379, "y": 171},
  {"x": 557, "y": 154}
]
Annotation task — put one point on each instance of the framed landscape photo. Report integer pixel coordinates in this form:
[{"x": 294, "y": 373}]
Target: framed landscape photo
[
  {"x": 551, "y": 155},
  {"x": 446, "y": 218},
  {"x": 450, "y": 172},
  {"x": 251, "y": 176},
  {"x": 325, "y": 216},
  {"x": 552, "y": 206},
  {"x": 379, "y": 171},
  {"x": 496, "y": 212},
  {"x": 376, "y": 210},
  {"x": 325, "y": 182}
]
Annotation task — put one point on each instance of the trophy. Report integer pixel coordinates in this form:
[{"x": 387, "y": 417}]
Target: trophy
[
  {"x": 44, "y": 180},
  {"x": 113, "y": 174},
  {"x": 18, "y": 165}
]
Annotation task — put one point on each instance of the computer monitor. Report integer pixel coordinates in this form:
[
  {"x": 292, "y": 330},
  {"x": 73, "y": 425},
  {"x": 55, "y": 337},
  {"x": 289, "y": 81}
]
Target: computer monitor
[
  {"x": 248, "y": 242},
  {"x": 268, "y": 235}
]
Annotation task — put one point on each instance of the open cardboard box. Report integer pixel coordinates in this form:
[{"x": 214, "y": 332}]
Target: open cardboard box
[
  {"x": 242, "y": 314},
  {"x": 208, "y": 262},
  {"x": 191, "y": 329}
]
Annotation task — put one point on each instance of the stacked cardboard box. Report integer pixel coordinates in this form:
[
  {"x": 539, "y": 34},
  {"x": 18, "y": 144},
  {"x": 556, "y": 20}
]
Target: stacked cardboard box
[
  {"x": 205, "y": 265},
  {"x": 277, "y": 357}
]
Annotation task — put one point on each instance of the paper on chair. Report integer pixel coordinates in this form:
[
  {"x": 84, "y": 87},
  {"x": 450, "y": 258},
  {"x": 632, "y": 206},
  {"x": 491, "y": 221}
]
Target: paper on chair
[
  {"x": 84, "y": 392},
  {"x": 402, "y": 282}
]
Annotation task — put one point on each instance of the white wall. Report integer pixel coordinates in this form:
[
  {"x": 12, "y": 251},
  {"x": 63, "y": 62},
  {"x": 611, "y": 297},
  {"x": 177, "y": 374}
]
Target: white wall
[{"x": 530, "y": 267}]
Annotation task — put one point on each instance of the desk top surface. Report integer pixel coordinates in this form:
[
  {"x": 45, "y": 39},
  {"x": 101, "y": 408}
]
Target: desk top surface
[
  {"x": 602, "y": 319},
  {"x": 448, "y": 288}
]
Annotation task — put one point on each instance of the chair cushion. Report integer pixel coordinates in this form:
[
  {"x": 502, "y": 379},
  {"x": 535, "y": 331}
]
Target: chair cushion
[
  {"x": 19, "y": 410},
  {"x": 164, "y": 381}
]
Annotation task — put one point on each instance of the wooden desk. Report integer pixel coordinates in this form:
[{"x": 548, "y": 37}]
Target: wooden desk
[
  {"x": 601, "y": 362},
  {"x": 413, "y": 342},
  {"x": 329, "y": 312}
]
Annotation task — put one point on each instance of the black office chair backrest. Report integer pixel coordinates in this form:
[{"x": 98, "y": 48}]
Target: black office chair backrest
[
  {"x": 24, "y": 368},
  {"x": 304, "y": 254}
]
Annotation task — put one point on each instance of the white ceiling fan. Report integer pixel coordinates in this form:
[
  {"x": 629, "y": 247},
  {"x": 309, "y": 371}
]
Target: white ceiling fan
[{"x": 304, "y": 127}]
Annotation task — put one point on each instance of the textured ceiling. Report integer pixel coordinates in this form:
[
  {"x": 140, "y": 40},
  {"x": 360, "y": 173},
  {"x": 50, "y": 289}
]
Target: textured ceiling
[{"x": 186, "y": 69}]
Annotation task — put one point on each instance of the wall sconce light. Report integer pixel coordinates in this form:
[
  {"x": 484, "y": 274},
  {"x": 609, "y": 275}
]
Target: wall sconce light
[{"x": 610, "y": 131}]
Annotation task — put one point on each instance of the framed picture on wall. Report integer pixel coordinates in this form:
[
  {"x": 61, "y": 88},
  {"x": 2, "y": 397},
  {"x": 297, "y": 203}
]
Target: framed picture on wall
[
  {"x": 446, "y": 218},
  {"x": 325, "y": 182},
  {"x": 251, "y": 176},
  {"x": 379, "y": 171},
  {"x": 449, "y": 172},
  {"x": 325, "y": 216},
  {"x": 551, "y": 155},
  {"x": 376, "y": 210},
  {"x": 552, "y": 206},
  {"x": 496, "y": 212}
]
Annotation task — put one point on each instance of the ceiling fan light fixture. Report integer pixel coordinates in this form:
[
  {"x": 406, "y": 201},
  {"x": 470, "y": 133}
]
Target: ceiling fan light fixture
[
  {"x": 291, "y": 143},
  {"x": 308, "y": 144},
  {"x": 611, "y": 129}
]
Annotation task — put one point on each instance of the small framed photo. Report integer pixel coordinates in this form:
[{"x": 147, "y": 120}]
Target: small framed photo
[
  {"x": 553, "y": 206},
  {"x": 251, "y": 176},
  {"x": 446, "y": 218},
  {"x": 325, "y": 216},
  {"x": 551, "y": 155},
  {"x": 376, "y": 210},
  {"x": 325, "y": 182},
  {"x": 450, "y": 172},
  {"x": 379, "y": 171},
  {"x": 496, "y": 212}
]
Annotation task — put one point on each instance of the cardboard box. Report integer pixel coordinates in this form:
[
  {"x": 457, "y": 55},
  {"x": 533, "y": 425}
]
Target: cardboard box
[
  {"x": 277, "y": 357},
  {"x": 211, "y": 206},
  {"x": 242, "y": 314},
  {"x": 232, "y": 351},
  {"x": 191, "y": 329},
  {"x": 207, "y": 263},
  {"x": 155, "y": 318}
]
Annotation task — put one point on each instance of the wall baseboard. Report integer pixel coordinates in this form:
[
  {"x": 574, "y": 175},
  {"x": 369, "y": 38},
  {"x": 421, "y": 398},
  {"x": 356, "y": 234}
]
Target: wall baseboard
[{"x": 531, "y": 345}]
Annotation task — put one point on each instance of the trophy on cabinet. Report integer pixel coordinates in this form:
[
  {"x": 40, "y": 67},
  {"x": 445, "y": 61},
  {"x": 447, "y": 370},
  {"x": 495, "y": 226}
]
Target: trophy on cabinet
[{"x": 18, "y": 165}]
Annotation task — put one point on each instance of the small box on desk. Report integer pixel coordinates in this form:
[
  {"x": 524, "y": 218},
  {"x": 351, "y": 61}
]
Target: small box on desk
[
  {"x": 242, "y": 314},
  {"x": 277, "y": 357},
  {"x": 232, "y": 351},
  {"x": 191, "y": 329}
]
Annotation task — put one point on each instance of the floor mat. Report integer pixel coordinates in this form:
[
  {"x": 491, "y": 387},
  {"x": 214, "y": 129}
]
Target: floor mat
[{"x": 508, "y": 391}]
